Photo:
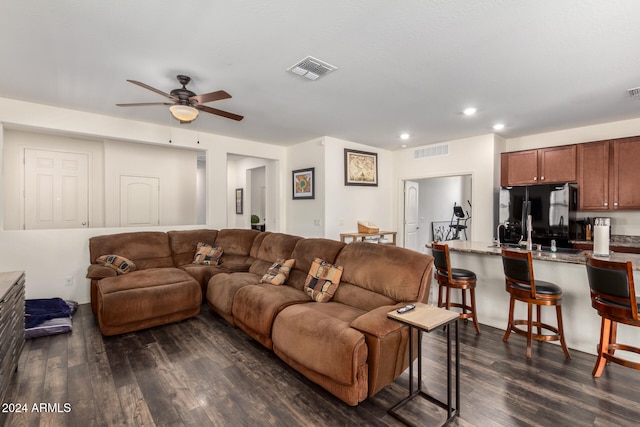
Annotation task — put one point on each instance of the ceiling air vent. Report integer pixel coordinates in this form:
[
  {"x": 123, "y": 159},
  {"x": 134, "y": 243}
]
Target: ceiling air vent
[
  {"x": 311, "y": 68},
  {"x": 634, "y": 93},
  {"x": 431, "y": 151}
]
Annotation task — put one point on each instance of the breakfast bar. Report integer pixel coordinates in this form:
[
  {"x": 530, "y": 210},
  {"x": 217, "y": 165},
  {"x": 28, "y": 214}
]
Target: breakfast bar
[{"x": 566, "y": 269}]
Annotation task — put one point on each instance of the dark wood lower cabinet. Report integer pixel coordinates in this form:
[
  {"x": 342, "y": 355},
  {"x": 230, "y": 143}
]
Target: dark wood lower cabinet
[{"x": 11, "y": 327}]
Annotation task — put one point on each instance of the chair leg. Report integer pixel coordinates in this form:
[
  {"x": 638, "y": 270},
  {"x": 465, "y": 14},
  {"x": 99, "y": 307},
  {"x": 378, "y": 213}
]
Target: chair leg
[
  {"x": 613, "y": 338},
  {"x": 529, "y": 329},
  {"x": 605, "y": 339},
  {"x": 447, "y": 299},
  {"x": 539, "y": 318},
  {"x": 439, "y": 295},
  {"x": 512, "y": 302},
  {"x": 561, "y": 332},
  {"x": 472, "y": 293},
  {"x": 464, "y": 301}
]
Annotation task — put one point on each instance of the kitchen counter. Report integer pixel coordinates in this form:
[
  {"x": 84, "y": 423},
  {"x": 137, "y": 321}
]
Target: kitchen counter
[
  {"x": 567, "y": 270},
  {"x": 571, "y": 258}
]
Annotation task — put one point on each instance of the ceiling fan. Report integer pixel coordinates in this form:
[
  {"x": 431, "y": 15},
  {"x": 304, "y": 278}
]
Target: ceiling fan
[{"x": 186, "y": 105}]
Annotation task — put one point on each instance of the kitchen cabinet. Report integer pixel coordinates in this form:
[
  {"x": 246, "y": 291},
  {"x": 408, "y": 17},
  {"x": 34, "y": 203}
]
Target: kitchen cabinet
[
  {"x": 593, "y": 176},
  {"x": 626, "y": 173},
  {"x": 608, "y": 173},
  {"x": 542, "y": 166}
]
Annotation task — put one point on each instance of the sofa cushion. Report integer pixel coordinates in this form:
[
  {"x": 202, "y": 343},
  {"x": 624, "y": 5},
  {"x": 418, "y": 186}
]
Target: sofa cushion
[
  {"x": 207, "y": 254},
  {"x": 319, "y": 337},
  {"x": 147, "y": 249},
  {"x": 305, "y": 252},
  {"x": 118, "y": 263},
  {"x": 273, "y": 247},
  {"x": 255, "y": 308},
  {"x": 279, "y": 272},
  {"x": 323, "y": 280},
  {"x": 143, "y": 298},
  {"x": 183, "y": 243},
  {"x": 376, "y": 275}
]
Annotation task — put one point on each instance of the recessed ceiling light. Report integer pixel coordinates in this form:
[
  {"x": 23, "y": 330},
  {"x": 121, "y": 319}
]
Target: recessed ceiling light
[
  {"x": 404, "y": 136},
  {"x": 469, "y": 111},
  {"x": 403, "y": 146},
  {"x": 498, "y": 126}
]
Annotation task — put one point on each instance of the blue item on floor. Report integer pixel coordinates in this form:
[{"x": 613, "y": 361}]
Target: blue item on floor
[{"x": 40, "y": 310}]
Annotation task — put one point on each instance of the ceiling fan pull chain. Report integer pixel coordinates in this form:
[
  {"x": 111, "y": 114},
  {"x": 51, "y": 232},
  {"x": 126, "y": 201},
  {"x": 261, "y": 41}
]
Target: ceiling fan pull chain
[{"x": 170, "y": 130}]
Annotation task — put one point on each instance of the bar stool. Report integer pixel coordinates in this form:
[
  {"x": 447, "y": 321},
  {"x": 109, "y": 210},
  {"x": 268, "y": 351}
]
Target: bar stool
[
  {"x": 454, "y": 278},
  {"x": 521, "y": 285},
  {"x": 613, "y": 295}
]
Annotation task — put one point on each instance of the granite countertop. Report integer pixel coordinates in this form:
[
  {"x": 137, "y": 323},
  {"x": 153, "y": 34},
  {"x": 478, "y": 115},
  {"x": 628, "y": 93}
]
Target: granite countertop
[
  {"x": 488, "y": 248},
  {"x": 616, "y": 240}
]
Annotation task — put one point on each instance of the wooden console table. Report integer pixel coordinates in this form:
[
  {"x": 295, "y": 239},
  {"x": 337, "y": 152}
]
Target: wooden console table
[{"x": 362, "y": 236}]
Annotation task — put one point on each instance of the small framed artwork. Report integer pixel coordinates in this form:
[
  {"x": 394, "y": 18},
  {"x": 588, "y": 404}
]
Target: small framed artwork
[
  {"x": 303, "y": 183},
  {"x": 239, "y": 201},
  {"x": 360, "y": 168}
]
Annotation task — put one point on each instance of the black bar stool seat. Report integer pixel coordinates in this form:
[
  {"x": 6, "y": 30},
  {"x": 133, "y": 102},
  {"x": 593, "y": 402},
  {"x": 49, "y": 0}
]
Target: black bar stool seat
[
  {"x": 522, "y": 286},
  {"x": 454, "y": 278}
]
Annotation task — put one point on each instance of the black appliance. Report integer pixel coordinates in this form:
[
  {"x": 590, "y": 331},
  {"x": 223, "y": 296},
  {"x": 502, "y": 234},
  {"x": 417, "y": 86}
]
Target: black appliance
[{"x": 553, "y": 213}]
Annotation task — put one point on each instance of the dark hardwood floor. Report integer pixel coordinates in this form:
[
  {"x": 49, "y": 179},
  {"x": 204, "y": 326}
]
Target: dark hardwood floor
[{"x": 203, "y": 372}]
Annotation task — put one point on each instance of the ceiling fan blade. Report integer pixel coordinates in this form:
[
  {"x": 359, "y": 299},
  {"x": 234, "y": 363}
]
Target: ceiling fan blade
[
  {"x": 153, "y": 89},
  {"x": 219, "y": 112},
  {"x": 212, "y": 96},
  {"x": 144, "y": 104}
]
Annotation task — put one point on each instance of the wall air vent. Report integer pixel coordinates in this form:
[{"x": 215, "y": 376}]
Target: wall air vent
[
  {"x": 634, "y": 93},
  {"x": 311, "y": 68},
  {"x": 431, "y": 151}
]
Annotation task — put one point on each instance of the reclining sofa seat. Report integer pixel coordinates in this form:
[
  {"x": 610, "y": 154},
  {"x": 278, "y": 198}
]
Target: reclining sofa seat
[
  {"x": 256, "y": 307},
  {"x": 348, "y": 345},
  {"x": 223, "y": 287},
  {"x": 154, "y": 294}
]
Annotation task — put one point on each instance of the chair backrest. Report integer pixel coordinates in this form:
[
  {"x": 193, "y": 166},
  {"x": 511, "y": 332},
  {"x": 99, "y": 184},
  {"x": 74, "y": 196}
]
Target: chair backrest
[
  {"x": 441, "y": 260},
  {"x": 518, "y": 268},
  {"x": 613, "y": 291}
]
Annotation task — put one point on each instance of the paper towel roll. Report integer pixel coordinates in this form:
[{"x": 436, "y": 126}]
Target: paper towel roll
[{"x": 601, "y": 240}]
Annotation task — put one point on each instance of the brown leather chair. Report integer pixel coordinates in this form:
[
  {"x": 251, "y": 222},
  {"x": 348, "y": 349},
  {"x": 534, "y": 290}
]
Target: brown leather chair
[
  {"x": 613, "y": 295},
  {"x": 521, "y": 285},
  {"x": 454, "y": 278}
]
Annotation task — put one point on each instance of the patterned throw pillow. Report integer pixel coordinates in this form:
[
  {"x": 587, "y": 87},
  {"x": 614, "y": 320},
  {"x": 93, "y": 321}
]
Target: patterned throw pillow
[
  {"x": 207, "y": 254},
  {"x": 323, "y": 280},
  {"x": 279, "y": 272},
  {"x": 119, "y": 263}
]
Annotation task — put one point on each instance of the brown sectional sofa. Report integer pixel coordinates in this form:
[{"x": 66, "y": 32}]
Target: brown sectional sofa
[{"x": 346, "y": 345}]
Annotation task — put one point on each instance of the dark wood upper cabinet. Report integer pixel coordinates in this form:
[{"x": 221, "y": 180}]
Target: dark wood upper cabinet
[
  {"x": 608, "y": 174},
  {"x": 545, "y": 165},
  {"x": 625, "y": 163},
  {"x": 593, "y": 176}
]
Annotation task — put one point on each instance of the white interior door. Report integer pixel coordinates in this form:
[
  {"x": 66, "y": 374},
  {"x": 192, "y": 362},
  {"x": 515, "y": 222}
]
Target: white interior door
[
  {"x": 139, "y": 201},
  {"x": 56, "y": 189},
  {"x": 411, "y": 215}
]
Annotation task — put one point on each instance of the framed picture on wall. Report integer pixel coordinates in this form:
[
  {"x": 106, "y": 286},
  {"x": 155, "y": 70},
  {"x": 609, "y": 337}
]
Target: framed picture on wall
[
  {"x": 360, "y": 168},
  {"x": 239, "y": 201},
  {"x": 303, "y": 183}
]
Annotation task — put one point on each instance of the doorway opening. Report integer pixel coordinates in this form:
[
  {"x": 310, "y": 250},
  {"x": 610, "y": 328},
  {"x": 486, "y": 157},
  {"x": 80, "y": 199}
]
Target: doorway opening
[{"x": 429, "y": 209}]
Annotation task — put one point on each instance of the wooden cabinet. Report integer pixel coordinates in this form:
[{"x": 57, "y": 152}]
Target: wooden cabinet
[
  {"x": 11, "y": 326},
  {"x": 608, "y": 175},
  {"x": 593, "y": 176},
  {"x": 625, "y": 163},
  {"x": 545, "y": 165}
]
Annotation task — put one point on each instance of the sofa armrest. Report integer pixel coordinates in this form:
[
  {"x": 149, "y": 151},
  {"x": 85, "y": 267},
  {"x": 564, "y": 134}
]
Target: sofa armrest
[
  {"x": 376, "y": 322},
  {"x": 97, "y": 272}
]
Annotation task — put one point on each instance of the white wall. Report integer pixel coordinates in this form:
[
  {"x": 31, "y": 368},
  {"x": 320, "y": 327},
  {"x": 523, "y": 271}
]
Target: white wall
[
  {"x": 48, "y": 256},
  {"x": 15, "y": 142},
  {"x": 346, "y": 205},
  {"x": 176, "y": 172},
  {"x": 306, "y": 217},
  {"x": 474, "y": 156}
]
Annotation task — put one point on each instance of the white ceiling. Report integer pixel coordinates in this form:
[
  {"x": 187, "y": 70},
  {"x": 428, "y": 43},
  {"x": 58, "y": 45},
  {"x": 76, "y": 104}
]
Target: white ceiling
[{"x": 411, "y": 65}]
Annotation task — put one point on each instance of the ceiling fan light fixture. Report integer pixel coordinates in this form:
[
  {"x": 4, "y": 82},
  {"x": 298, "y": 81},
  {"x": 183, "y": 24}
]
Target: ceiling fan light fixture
[{"x": 184, "y": 113}]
